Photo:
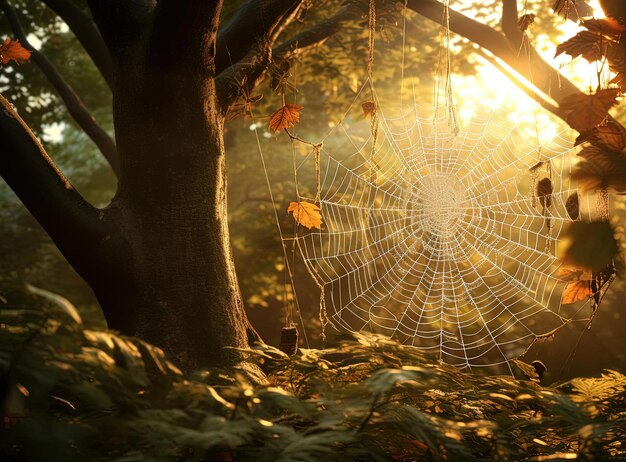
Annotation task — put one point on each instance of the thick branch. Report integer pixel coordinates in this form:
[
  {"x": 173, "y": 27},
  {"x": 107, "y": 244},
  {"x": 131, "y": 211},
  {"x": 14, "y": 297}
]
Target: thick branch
[
  {"x": 87, "y": 34},
  {"x": 316, "y": 34},
  {"x": 74, "y": 105},
  {"x": 245, "y": 75},
  {"x": 254, "y": 21},
  {"x": 71, "y": 222}
]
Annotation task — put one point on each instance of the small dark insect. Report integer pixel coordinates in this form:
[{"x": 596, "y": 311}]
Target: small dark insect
[{"x": 572, "y": 206}]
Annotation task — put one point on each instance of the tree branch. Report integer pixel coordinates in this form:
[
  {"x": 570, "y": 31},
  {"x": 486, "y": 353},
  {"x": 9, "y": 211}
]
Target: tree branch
[
  {"x": 74, "y": 105},
  {"x": 87, "y": 34},
  {"x": 316, "y": 34},
  {"x": 255, "y": 20},
  {"x": 533, "y": 68},
  {"x": 71, "y": 222},
  {"x": 245, "y": 75}
]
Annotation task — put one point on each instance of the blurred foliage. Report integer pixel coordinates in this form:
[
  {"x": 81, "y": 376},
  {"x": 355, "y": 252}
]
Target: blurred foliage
[{"x": 72, "y": 393}]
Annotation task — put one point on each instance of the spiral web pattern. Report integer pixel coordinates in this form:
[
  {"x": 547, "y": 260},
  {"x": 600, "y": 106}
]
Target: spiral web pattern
[{"x": 439, "y": 240}]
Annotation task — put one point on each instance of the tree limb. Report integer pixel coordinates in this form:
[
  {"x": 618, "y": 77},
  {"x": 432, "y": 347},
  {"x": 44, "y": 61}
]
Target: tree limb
[
  {"x": 533, "y": 68},
  {"x": 74, "y": 105},
  {"x": 255, "y": 20},
  {"x": 245, "y": 75},
  {"x": 71, "y": 222},
  {"x": 316, "y": 34},
  {"x": 87, "y": 34}
]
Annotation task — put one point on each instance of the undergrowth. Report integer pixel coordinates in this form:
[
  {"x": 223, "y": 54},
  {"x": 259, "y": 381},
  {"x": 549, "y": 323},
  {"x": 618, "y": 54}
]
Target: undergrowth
[{"x": 75, "y": 394}]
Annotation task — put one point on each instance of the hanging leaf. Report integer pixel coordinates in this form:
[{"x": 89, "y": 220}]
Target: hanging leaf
[
  {"x": 601, "y": 169},
  {"x": 525, "y": 21},
  {"x": 607, "y": 26},
  {"x": 587, "y": 44},
  {"x": 565, "y": 8},
  {"x": 12, "y": 50},
  {"x": 306, "y": 214},
  {"x": 588, "y": 111},
  {"x": 572, "y": 205},
  {"x": 544, "y": 192},
  {"x": 369, "y": 108},
  {"x": 286, "y": 117},
  {"x": 591, "y": 245},
  {"x": 576, "y": 291}
]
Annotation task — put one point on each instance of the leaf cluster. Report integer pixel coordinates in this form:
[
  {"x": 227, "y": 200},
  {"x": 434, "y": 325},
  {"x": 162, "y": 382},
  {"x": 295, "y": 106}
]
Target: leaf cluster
[{"x": 80, "y": 394}]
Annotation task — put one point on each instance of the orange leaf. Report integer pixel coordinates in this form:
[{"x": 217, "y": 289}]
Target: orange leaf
[
  {"x": 12, "y": 50},
  {"x": 286, "y": 117},
  {"x": 306, "y": 214},
  {"x": 576, "y": 291}
]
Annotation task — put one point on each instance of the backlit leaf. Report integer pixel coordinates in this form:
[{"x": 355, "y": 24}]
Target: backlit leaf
[
  {"x": 12, "y": 50},
  {"x": 588, "y": 111},
  {"x": 306, "y": 214},
  {"x": 286, "y": 117},
  {"x": 576, "y": 291},
  {"x": 587, "y": 44}
]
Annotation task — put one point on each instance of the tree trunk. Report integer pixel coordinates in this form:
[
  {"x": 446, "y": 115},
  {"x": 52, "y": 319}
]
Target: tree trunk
[{"x": 169, "y": 276}]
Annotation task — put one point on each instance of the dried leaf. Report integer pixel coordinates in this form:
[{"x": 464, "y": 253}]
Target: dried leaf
[
  {"x": 588, "y": 111},
  {"x": 12, "y": 50},
  {"x": 286, "y": 117},
  {"x": 565, "y": 8},
  {"x": 306, "y": 214},
  {"x": 525, "y": 21},
  {"x": 572, "y": 205},
  {"x": 369, "y": 108},
  {"x": 607, "y": 26},
  {"x": 588, "y": 44},
  {"x": 576, "y": 291},
  {"x": 544, "y": 192}
]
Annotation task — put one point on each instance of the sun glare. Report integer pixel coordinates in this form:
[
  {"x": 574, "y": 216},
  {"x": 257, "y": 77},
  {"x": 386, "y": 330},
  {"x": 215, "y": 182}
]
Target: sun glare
[{"x": 493, "y": 90}]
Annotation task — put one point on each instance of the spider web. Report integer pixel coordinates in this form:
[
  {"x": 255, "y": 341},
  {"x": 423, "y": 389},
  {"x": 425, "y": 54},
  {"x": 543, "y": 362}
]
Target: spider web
[{"x": 439, "y": 240}]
